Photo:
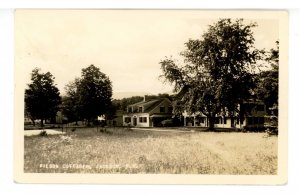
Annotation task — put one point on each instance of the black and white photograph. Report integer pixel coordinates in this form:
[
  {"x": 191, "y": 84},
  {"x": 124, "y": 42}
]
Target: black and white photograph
[{"x": 151, "y": 96}]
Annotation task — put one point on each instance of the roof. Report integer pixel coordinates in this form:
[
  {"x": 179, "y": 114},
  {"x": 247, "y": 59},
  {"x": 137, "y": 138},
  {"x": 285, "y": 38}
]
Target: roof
[
  {"x": 142, "y": 103},
  {"x": 150, "y": 104},
  {"x": 160, "y": 115},
  {"x": 153, "y": 105}
]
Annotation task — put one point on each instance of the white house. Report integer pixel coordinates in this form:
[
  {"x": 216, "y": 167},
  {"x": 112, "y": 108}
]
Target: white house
[
  {"x": 148, "y": 113},
  {"x": 253, "y": 117}
]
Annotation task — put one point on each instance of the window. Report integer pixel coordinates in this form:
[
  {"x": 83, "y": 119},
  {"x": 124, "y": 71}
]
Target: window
[
  {"x": 225, "y": 120},
  {"x": 261, "y": 120},
  {"x": 129, "y": 109},
  {"x": 140, "y": 109},
  {"x": 249, "y": 107},
  {"x": 250, "y": 121},
  {"x": 218, "y": 120},
  {"x": 255, "y": 120},
  {"x": 127, "y": 119},
  {"x": 143, "y": 119},
  {"x": 162, "y": 109},
  {"x": 201, "y": 120}
]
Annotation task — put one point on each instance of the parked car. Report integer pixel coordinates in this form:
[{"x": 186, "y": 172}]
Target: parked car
[{"x": 167, "y": 123}]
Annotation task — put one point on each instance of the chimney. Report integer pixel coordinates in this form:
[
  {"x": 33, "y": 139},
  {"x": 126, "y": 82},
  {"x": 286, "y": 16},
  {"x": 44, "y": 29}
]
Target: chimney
[{"x": 145, "y": 98}]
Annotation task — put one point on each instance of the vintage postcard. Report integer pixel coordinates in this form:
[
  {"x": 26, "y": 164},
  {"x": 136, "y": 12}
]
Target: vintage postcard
[{"x": 151, "y": 96}]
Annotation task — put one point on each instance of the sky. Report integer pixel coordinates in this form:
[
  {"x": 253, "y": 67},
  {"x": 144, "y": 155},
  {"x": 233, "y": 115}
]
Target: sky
[{"x": 127, "y": 45}]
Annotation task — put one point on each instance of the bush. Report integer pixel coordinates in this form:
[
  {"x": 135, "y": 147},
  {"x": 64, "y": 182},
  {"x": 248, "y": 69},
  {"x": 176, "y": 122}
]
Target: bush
[
  {"x": 43, "y": 133},
  {"x": 254, "y": 129}
]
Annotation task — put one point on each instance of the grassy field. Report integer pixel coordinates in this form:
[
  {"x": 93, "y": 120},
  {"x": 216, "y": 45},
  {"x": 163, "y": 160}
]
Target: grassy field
[{"x": 124, "y": 151}]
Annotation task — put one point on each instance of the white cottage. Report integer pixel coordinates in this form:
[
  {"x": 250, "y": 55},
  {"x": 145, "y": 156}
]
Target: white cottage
[{"x": 148, "y": 113}]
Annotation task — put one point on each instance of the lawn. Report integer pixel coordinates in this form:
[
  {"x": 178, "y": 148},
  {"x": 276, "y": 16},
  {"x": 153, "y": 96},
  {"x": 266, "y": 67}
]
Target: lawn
[{"x": 123, "y": 151}]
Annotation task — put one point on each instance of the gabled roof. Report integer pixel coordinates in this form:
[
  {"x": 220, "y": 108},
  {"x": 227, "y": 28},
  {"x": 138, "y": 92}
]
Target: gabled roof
[
  {"x": 150, "y": 104},
  {"x": 153, "y": 105},
  {"x": 142, "y": 103}
]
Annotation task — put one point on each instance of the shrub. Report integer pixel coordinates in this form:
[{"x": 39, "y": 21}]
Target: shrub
[{"x": 43, "y": 133}]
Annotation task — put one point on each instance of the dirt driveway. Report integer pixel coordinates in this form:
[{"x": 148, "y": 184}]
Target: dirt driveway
[{"x": 37, "y": 132}]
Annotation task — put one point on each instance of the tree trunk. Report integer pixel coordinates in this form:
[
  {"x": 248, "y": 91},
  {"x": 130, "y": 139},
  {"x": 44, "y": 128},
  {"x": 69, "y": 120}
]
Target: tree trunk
[
  {"x": 53, "y": 120},
  {"x": 42, "y": 123},
  {"x": 33, "y": 122},
  {"x": 211, "y": 123}
]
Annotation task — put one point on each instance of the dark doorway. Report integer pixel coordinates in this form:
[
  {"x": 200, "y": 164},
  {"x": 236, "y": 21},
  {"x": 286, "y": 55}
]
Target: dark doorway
[{"x": 134, "y": 121}]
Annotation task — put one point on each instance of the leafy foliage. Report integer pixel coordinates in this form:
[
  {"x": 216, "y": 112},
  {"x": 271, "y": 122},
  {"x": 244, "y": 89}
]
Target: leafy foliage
[
  {"x": 95, "y": 91},
  {"x": 217, "y": 74},
  {"x": 89, "y": 96},
  {"x": 267, "y": 81},
  {"x": 43, "y": 133},
  {"x": 42, "y": 98},
  {"x": 70, "y": 102}
]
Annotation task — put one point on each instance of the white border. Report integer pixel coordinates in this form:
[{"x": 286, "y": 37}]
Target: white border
[
  {"x": 152, "y": 4},
  {"x": 280, "y": 178},
  {"x": 6, "y": 101}
]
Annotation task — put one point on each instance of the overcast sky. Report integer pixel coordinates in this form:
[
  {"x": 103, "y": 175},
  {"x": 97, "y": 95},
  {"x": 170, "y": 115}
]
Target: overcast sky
[{"x": 126, "y": 45}]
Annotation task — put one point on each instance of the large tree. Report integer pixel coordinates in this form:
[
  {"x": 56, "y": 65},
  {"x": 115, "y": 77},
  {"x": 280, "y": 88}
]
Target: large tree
[
  {"x": 70, "y": 102},
  {"x": 268, "y": 81},
  {"x": 42, "y": 96},
  {"x": 217, "y": 71},
  {"x": 94, "y": 91}
]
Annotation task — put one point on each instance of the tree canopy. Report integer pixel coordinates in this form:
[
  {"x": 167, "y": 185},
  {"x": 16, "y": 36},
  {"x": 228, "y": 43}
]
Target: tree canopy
[
  {"x": 89, "y": 96},
  {"x": 217, "y": 72},
  {"x": 42, "y": 98},
  {"x": 267, "y": 81},
  {"x": 70, "y": 102}
]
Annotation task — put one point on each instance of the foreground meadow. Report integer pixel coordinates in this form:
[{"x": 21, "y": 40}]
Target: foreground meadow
[{"x": 123, "y": 151}]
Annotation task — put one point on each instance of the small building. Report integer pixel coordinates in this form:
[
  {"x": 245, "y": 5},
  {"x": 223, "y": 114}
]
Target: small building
[
  {"x": 148, "y": 113},
  {"x": 252, "y": 117},
  {"x": 60, "y": 118},
  {"x": 27, "y": 121}
]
